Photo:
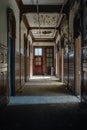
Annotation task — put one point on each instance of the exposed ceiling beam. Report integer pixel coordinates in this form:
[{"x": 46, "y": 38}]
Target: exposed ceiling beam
[
  {"x": 43, "y": 40},
  {"x": 20, "y": 4},
  {"x": 42, "y": 8},
  {"x": 56, "y": 35},
  {"x": 31, "y": 35},
  {"x": 24, "y": 18},
  {"x": 31, "y": 28},
  {"x": 67, "y": 6},
  {"x": 25, "y": 22}
]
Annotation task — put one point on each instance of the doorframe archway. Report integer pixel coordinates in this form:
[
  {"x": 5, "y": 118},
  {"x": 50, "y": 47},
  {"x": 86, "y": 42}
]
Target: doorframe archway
[{"x": 11, "y": 35}]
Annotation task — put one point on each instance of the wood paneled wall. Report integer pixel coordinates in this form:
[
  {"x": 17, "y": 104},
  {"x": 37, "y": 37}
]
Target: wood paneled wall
[
  {"x": 22, "y": 69},
  {"x": 28, "y": 61},
  {"x": 66, "y": 69},
  {"x": 71, "y": 71},
  {"x": 84, "y": 74},
  {"x": 17, "y": 71},
  {"x": 4, "y": 91}
]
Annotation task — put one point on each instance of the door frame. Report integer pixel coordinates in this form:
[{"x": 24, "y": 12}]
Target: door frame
[
  {"x": 46, "y": 70},
  {"x": 34, "y": 57},
  {"x": 84, "y": 59},
  {"x": 25, "y": 57},
  {"x": 77, "y": 40},
  {"x": 11, "y": 35}
]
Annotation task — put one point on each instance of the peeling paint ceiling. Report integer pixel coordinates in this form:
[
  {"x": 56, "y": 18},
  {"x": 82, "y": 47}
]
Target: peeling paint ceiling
[
  {"x": 47, "y": 33},
  {"x": 44, "y": 25},
  {"x": 49, "y": 20},
  {"x": 46, "y": 20}
]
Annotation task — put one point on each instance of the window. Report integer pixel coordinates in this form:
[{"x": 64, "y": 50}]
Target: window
[
  {"x": 49, "y": 57},
  {"x": 38, "y": 61},
  {"x": 38, "y": 52}
]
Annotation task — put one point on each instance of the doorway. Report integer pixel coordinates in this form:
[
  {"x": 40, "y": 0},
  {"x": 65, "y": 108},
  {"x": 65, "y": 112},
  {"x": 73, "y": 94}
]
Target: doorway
[
  {"x": 77, "y": 41},
  {"x": 43, "y": 60},
  {"x": 38, "y": 56},
  {"x": 11, "y": 25},
  {"x": 25, "y": 57}
]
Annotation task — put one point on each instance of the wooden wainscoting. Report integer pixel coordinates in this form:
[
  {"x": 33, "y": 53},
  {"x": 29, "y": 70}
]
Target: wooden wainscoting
[
  {"x": 17, "y": 71},
  {"x": 4, "y": 91}
]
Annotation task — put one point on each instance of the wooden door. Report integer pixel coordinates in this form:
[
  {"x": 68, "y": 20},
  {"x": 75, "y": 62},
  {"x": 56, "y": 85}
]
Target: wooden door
[
  {"x": 38, "y": 62},
  {"x": 49, "y": 59},
  {"x": 11, "y": 25},
  {"x": 77, "y": 52},
  {"x": 25, "y": 57},
  {"x": 78, "y": 66},
  {"x": 38, "y": 65}
]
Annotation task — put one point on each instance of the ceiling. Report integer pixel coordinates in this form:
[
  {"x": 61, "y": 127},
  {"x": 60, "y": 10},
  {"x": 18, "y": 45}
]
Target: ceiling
[
  {"x": 44, "y": 2},
  {"x": 43, "y": 25}
]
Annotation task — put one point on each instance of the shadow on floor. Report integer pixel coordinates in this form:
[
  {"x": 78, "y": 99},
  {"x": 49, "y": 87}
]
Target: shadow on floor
[
  {"x": 44, "y": 117},
  {"x": 50, "y": 116}
]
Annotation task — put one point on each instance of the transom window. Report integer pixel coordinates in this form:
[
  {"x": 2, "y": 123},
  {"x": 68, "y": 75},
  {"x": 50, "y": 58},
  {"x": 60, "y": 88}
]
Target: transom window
[{"x": 38, "y": 52}]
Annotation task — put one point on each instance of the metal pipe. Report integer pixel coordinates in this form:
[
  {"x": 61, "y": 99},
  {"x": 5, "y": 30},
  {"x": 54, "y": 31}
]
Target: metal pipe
[
  {"x": 38, "y": 17},
  {"x": 60, "y": 16}
]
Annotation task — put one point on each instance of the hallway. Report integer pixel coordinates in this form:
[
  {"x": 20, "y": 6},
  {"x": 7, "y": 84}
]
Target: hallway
[
  {"x": 44, "y": 103},
  {"x": 43, "y": 64},
  {"x": 42, "y": 38},
  {"x": 43, "y": 86},
  {"x": 43, "y": 90}
]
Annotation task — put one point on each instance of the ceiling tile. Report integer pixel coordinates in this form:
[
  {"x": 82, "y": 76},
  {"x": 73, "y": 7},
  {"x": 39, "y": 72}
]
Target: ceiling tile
[
  {"x": 45, "y": 20},
  {"x": 43, "y": 33}
]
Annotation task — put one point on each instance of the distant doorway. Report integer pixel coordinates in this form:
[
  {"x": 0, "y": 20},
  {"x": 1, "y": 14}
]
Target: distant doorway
[
  {"x": 38, "y": 61},
  {"x": 43, "y": 60}
]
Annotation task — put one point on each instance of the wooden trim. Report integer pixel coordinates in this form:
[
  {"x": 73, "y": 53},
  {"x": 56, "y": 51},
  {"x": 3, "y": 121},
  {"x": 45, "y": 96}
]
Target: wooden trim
[
  {"x": 24, "y": 18},
  {"x": 42, "y": 8},
  {"x": 31, "y": 28},
  {"x": 11, "y": 27},
  {"x": 3, "y": 74},
  {"x": 31, "y": 35},
  {"x": 19, "y": 4},
  {"x": 68, "y": 5},
  {"x": 56, "y": 35}
]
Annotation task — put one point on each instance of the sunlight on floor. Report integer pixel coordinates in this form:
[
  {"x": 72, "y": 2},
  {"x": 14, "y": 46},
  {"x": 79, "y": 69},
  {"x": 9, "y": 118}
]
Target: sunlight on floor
[
  {"x": 43, "y": 77},
  {"x": 42, "y": 100}
]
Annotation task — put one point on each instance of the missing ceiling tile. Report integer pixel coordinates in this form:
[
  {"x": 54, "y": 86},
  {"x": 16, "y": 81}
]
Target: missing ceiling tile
[{"x": 46, "y": 32}]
